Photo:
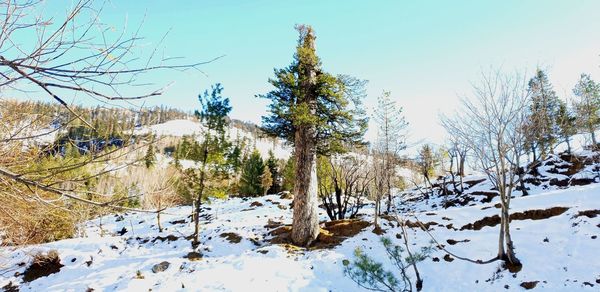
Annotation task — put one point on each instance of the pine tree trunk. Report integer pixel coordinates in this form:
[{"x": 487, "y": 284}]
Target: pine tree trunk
[{"x": 305, "y": 224}]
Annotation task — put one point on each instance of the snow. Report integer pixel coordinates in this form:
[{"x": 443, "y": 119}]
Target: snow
[{"x": 569, "y": 258}]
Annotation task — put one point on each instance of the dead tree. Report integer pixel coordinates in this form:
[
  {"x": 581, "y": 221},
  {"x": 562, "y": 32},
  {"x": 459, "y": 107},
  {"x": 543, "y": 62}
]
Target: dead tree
[
  {"x": 343, "y": 185},
  {"x": 76, "y": 57},
  {"x": 491, "y": 124}
]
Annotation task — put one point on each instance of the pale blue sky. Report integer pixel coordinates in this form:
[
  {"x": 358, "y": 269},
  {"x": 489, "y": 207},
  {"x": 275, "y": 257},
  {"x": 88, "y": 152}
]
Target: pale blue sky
[{"x": 425, "y": 52}]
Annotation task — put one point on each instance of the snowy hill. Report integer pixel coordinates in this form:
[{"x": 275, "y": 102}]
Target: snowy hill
[
  {"x": 555, "y": 230},
  {"x": 180, "y": 128}
]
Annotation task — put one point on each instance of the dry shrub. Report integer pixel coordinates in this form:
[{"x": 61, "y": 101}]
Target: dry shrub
[{"x": 43, "y": 264}]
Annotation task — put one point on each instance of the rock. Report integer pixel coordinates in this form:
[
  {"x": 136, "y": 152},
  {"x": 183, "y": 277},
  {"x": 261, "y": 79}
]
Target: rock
[
  {"x": 256, "y": 204},
  {"x": 529, "y": 285},
  {"x": 193, "y": 256},
  {"x": 122, "y": 231},
  {"x": 163, "y": 266},
  {"x": 231, "y": 237}
]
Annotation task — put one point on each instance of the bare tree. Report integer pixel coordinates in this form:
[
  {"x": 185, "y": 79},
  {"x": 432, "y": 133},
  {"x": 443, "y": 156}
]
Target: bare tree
[
  {"x": 390, "y": 140},
  {"x": 343, "y": 184},
  {"x": 77, "y": 56},
  {"x": 491, "y": 124},
  {"x": 457, "y": 152},
  {"x": 159, "y": 190}
]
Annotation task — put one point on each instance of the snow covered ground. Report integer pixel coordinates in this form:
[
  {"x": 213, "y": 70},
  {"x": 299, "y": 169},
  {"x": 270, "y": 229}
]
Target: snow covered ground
[{"x": 561, "y": 252}]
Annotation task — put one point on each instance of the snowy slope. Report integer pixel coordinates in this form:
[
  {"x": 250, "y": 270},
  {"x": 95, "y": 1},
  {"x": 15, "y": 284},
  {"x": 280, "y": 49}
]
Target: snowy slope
[
  {"x": 180, "y": 128},
  {"x": 560, "y": 252}
]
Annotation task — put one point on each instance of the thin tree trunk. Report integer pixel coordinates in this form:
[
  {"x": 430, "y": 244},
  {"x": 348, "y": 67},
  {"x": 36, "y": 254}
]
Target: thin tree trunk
[
  {"x": 198, "y": 206},
  {"x": 419, "y": 283},
  {"x": 501, "y": 252},
  {"x": 160, "y": 229},
  {"x": 510, "y": 249},
  {"x": 377, "y": 203},
  {"x": 338, "y": 198}
]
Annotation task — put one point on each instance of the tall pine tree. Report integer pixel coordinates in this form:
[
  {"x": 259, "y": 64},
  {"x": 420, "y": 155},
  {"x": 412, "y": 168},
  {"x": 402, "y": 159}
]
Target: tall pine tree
[
  {"x": 390, "y": 140},
  {"x": 567, "y": 126},
  {"x": 315, "y": 111},
  {"x": 543, "y": 129},
  {"x": 588, "y": 105}
]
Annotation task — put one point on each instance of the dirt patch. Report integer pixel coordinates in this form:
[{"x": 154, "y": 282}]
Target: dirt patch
[
  {"x": 231, "y": 237},
  {"x": 559, "y": 182},
  {"x": 486, "y": 221},
  {"x": 538, "y": 214},
  {"x": 582, "y": 181},
  {"x": 10, "y": 287},
  {"x": 533, "y": 181},
  {"x": 193, "y": 256},
  {"x": 169, "y": 238},
  {"x": 43, "y": 264},
  {"x": 419, "y": 224},
  {"x": 182, "y": 221},
  {"x": 273, "y": 224},
  {"x": 378, "y": 230},
  {"x": 488, "y": 195},
  {"x": 331, "y": 234},
  {"x": 459, "y": 201},
  {"x": 588, "y": 213},
  {"x": 529, "y": 285},
  {"x": 513, "y": 268},
  {"x": 453, "y": 242},
  {"x": 256, "y": 204}
]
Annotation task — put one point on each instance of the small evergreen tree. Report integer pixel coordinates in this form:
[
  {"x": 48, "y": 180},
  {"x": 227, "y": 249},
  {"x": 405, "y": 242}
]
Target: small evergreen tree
[
  {"x": 251, "y": 179},
  {"x": 567, "y": 126},
  {"x": 209, "y": 154},
  {"x": 371, "y": 275},
  {"x": 266, "y": 180},
  {"x": 234, "y": 158},
  {"x": 588, "y": 105},
  {"x": 150, "y": 157},
  {"x": 427, "y": 162},
  {"x": 273, "y": 165}
]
